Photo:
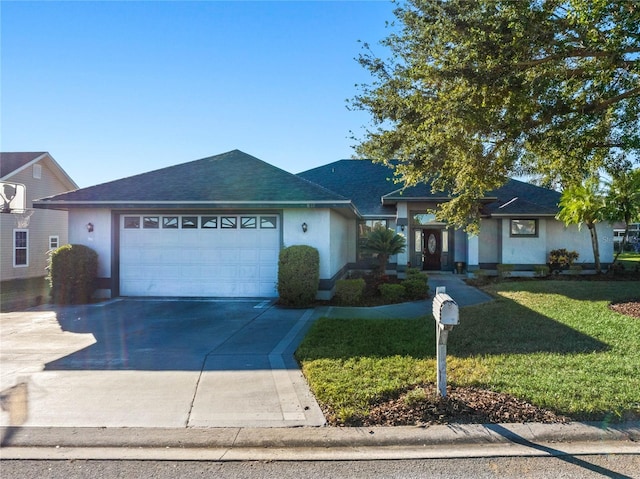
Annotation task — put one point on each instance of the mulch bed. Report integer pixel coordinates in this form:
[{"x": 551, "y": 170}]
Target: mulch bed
[
  {"x": 463, "y": 405},
  {"x": 629, "y": 308}
]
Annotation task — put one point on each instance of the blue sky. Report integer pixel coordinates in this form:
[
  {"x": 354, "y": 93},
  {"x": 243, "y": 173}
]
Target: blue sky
[{"x": 113, "y": 89}]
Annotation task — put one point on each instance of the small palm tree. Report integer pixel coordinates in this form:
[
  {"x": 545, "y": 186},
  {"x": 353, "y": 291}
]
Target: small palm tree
[
  {"x": 584, "y": 204},
  {"x": 384, "y": 242}
]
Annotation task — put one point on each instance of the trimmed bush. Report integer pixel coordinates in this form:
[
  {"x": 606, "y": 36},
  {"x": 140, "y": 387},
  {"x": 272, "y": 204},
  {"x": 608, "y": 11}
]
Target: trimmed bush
[
  {"x": 298, "y": 276},
  {"x": 541, "y": 270},
  {"x": 415, "y": 288},
  {"x": 504, "y": 270},
  {"x": 73, "y": 269},
  {"x": 415, "y": 273},
  {"x": 350, "y": 291},
  {"x": 393, "y": 293}
]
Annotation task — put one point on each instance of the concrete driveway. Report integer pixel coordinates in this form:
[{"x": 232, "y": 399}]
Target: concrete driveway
[{"x": 156, "y": 363}]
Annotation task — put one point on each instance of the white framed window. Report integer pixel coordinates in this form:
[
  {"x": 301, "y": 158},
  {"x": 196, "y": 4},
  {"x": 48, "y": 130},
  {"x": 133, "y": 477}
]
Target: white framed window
[
  {"x": 37, "y": 171},
  {"x": 20, "y": 248},
  {"x": 524, "y": 228},
  {"x": 54, "y": 242}
]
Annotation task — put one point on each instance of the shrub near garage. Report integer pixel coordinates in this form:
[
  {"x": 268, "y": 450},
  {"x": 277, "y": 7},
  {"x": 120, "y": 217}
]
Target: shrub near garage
[
  {"x": 298, "y": 275},
  {"x": 73, "y": 269}
]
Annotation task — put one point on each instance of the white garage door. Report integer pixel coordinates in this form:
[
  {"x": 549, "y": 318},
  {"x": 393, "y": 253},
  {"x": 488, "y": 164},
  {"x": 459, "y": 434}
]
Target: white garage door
[{"x": 199, "y": 255}]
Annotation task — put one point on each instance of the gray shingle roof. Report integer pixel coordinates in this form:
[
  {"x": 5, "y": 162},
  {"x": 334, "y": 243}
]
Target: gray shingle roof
[
  {"x": 226, "y": 179},
  {"x": 368, "y": 184},
  {"x": 363, "y": 181}
]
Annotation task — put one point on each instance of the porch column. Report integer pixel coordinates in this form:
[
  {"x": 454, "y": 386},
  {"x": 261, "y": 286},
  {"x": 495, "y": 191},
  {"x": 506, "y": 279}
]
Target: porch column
[{"x": 473, "y": 252}]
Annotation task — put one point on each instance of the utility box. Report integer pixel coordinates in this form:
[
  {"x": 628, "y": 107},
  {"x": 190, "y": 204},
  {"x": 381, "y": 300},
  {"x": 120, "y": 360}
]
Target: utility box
[{"x": 445, "y": 310}]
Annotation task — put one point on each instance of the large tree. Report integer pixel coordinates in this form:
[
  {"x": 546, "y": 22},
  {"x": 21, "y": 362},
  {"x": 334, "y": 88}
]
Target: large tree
[{"x": 474, "y": 91}]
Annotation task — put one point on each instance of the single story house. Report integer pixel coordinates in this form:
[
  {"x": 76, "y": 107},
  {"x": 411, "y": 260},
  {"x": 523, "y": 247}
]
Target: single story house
[
  {"x": 27, "y": 235},
  {"x": 215, "y": 226}
]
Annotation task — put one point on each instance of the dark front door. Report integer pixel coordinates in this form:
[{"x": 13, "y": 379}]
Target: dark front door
[{"x": 432, "y": 249}]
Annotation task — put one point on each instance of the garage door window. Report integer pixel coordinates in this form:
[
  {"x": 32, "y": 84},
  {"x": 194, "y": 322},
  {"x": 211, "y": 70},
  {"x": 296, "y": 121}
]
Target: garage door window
[
  {"x": 170, "y": 222},
  {"x": 189, "y": 222},
  {"x": 229, "y": 222},
  {"x": 132, "y": 222},
  {"x": 151, "y": 222},
  {"x": 248, "y": 222},
  {"x": 268, "y": 222},
  {"x": 209, "y": 222}
]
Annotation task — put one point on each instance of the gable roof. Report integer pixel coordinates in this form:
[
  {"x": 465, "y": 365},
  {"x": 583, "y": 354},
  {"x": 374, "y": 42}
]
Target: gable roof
[
  {"x": 232, "y": 179},
  {"x": 12, "y": 163},
  {"x": 364, "y": 181},
  {"x": 372, "y": 188}
]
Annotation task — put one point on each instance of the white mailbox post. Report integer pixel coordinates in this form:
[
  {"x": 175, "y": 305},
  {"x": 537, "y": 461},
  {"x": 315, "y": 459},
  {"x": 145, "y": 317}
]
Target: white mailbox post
[{"x": 445, "y": 312}]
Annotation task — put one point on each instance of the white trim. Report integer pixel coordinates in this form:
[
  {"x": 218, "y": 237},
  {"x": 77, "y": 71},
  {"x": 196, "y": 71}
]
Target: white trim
[
  {"x": 195, "y": 202},
  {"x": 57, "y": 240},
  {"x": 26, "y": 248}
]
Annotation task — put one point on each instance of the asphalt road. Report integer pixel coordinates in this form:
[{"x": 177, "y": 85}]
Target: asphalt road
[{"x": 570, "y": 467}]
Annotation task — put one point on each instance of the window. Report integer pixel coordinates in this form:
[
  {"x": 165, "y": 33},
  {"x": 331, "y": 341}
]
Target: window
[
  {"x": 132, "y": 222},
  {"x": 524, "y": 227},
  {"x": 37, "y": 171},
  {"x": 268, "y": 222},
  {"x": 209, "y": 222},
  {"x": 20, "y": 248},
  {"x": 229, "y": 222},
  {"x": 189, "y": 222},
  {"x": 151, "y": 222},
  {"x": 54, "y": 242},
  {"x": 170, "y": 222},
  {"x": 248, "y": 222}
]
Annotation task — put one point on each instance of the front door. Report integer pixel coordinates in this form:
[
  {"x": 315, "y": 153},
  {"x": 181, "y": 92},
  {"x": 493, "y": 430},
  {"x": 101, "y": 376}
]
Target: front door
[{"x": 432, "y": 249}]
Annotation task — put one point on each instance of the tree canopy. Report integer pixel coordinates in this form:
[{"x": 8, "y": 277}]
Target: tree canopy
[{"x": 473, "y": 92}]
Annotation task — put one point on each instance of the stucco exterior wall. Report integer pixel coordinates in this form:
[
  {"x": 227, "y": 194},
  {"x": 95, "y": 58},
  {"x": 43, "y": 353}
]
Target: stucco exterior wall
[
  {"x": 99, "y": 240},
  {"x": 318, "y": 233},
  {"x": 525, "y": 250},
  {"x": 42, "y": 225},
  {"x": 573, "y": 239},
  {"x": 489, "y": 241}
]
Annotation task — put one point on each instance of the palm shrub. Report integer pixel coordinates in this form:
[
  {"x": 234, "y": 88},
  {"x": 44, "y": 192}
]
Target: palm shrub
[
  {"x": 384, "y": 242},
  {"x": 298, "y": 275},
  {"x": 73, "y": 269}
]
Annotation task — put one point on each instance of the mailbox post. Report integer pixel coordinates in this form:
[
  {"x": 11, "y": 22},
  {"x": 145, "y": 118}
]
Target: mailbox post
[{"x": 445, "y": 312}]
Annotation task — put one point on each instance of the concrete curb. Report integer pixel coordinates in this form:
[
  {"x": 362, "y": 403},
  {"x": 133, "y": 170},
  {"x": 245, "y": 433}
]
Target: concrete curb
[{"x": 321, "y": 437}]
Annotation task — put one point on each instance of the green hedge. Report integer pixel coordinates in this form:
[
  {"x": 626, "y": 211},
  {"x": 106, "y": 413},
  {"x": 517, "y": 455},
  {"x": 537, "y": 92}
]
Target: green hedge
[
  {"x": 73, "y": 269},
  {"x": 393, "y": 293},
  {"x": 298, "y": 276},
  {"x": 350, "y": 291},
  {"x": 416, "y": 288}
]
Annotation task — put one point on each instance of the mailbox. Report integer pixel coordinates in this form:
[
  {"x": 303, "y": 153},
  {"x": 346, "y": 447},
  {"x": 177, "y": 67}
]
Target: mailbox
[{"x": 445, "y": 309}]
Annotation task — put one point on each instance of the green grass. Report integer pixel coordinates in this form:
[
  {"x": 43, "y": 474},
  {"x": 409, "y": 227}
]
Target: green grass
[
  {"x": 553, "y": 343},
  {"x": 629, "y": 259}
]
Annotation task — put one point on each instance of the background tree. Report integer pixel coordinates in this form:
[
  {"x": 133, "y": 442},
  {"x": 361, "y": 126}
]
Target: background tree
[
  {"x": 623, "y": 201},
  {"x": 584, "y": 204},
  {"x": 475, "y": 91},
  {"x": 384, "y": 242}
]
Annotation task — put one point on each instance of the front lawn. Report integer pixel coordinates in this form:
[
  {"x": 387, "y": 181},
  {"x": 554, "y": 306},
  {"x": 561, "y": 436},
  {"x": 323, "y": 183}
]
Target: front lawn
[{"x": 555, "y": 344}]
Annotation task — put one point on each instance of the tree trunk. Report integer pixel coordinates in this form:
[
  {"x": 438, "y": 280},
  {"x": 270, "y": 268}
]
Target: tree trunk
[
  {"x": 383, "y": 259},
  {"x": 594, "y": 244}
]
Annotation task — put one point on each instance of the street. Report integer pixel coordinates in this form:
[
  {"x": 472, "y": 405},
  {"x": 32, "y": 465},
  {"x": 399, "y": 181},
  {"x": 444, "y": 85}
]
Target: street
[{"x": 578, "y": 467}]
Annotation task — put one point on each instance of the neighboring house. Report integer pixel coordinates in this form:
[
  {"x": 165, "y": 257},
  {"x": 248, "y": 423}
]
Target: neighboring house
[
  {"x": 215, "y": 226},
  {"x": 517, "y": 227},
  {"x": 633, "y": 237},
  {"x": 24, "y": 247}
]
